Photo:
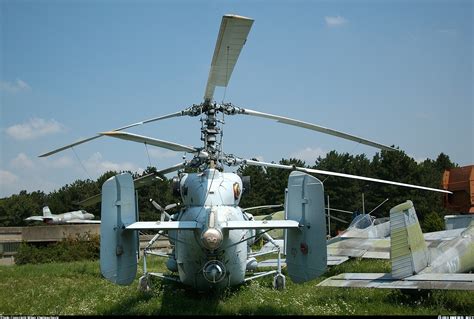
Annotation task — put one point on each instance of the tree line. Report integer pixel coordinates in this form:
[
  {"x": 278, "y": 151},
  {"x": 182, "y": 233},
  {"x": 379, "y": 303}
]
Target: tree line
[{"x": 268, "y": 186}]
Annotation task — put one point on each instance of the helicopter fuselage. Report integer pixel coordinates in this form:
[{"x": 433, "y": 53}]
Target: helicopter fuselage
[{"x": 210, "y": 257}]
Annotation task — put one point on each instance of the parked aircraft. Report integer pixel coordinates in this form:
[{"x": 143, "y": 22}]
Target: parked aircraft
[
  {"x": 211, "y": 234},
  {"x": 416, "y": 265},
  {"x": 77, "y": 216}
]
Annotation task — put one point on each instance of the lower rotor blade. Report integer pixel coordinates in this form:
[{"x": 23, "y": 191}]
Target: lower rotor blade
[
  {"x": 317, "y": 171},
  {"x": 139, "y": 182},
  {"x": 262, "y": 207}
]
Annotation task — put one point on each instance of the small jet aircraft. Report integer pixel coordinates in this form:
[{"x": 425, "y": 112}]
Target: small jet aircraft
[
  {"x": 74, "y": 217},
  {"x": 211, "y": 235},
  {"x": 416, "y": 265}
]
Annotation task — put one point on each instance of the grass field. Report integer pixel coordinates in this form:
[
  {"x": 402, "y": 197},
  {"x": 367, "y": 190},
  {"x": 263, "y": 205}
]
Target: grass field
[{"x": 77, "y": 288}]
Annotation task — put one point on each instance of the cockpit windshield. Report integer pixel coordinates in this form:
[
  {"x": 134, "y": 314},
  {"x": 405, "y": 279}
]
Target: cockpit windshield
[{"x": 361, "y": 221}]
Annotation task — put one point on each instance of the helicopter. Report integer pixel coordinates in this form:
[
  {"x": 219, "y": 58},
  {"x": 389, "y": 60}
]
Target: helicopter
[{"x": 211, "y": 235}]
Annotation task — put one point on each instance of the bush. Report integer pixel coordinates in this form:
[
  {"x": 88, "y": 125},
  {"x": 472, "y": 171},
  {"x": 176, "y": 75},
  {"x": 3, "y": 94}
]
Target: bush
[
  {"x": 432, "y": 222},
  {"x": 82, "y": 247}
]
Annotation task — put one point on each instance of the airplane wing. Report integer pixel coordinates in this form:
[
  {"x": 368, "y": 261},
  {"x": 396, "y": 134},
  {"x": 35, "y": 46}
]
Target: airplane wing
[
  {"x": 260, "y": 224},
  {"x": 379, "y": 248},
  {"x": 361, "y": 247},
  {"x": 83, "y": 221},
  {"x": 170, "y": 225},
  {"x": 420, "y": 281},
  {"x": 34, "y": 218}
]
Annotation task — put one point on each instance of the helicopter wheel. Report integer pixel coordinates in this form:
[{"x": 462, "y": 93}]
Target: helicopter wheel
[
  {"x": 279, "y": 282},
  {"x": 143, "y": 284}
]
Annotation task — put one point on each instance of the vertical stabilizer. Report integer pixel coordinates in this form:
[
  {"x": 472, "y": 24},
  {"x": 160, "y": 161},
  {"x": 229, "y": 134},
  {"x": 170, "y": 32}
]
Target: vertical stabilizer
[
  {"x": 46, "y": 212},
  {"x": 118, "y": 246},
  {"x": 306, "y": 251},
  {"x": 408, "y": 249}
]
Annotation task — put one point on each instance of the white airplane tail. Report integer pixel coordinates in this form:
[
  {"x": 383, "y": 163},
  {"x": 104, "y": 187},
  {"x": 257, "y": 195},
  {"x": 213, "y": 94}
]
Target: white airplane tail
[
  {"x": 46, "y": 212},
  {"x": 408, "y": 249}
]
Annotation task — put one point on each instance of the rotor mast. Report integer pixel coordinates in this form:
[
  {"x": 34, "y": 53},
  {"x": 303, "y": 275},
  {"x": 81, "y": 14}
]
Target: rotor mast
[{"x": 210, "y": 132}]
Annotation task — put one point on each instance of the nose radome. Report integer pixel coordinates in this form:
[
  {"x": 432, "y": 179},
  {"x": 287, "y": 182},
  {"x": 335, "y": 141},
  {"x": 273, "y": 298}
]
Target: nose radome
[{"x": 211, "y": 238}]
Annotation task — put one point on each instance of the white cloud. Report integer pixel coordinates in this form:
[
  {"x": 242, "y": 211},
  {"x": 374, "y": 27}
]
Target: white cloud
[
  {"x": 336, "y": 21},
  {"x": 62, "y": 162},
  {"x": 34, "y": 128},
  {"x": 7, "y": 178},
  {"x": 309, "y": 155},
  {"x": 22, "y": 161},
  {"x": 97, "y": 165},
  {"x": 158, "y": 153},
  {"x": 14, "y": 87}
]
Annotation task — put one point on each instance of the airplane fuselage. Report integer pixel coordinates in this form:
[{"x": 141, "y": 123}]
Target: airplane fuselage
[
  {"x": 63, "y": 218},
  {"x": 453, "y": 256}
]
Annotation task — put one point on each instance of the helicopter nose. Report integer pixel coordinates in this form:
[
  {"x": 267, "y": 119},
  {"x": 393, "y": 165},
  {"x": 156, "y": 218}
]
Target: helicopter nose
[{"x": 211, "y": 238}]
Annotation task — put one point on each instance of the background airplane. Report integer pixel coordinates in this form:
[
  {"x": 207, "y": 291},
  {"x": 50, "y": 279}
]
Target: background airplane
[
  {"x": 78, "y": 216},
  {"x": 416, "y": 264}
]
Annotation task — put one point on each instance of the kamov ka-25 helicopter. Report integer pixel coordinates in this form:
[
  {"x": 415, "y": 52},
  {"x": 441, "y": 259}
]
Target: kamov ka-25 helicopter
[{"x": 211, "y": 234}]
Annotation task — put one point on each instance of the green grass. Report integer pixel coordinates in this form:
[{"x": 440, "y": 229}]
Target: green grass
[{"x": 77, "y": 288}]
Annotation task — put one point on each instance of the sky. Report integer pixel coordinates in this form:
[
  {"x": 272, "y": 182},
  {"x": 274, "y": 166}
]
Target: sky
[{"x": 396, "y": 72}]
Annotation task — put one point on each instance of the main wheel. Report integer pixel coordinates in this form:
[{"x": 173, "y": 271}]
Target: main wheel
[
  {"x": 279, "y": 282},
  {"x": 143, "y": 284}
]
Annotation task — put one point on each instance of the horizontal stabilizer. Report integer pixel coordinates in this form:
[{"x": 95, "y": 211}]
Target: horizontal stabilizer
[
  {"x": 382, "y": 280},
  {"x": 260, "y": 224},
  {"x": 158, "y": 225}
]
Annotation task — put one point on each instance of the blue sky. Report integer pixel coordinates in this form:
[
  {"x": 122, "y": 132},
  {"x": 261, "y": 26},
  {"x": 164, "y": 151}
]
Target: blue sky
[{"x": 397, "y": 72}]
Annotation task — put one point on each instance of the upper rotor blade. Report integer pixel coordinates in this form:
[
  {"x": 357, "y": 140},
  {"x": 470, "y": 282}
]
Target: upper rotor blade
[
  {"x": 180, "y": 113},
  {"x": 314, "y": 127},
  {"x": 317, "y": 171},
  {"x": 152, "y": 141},
  {"x": 232, "y": 36}
]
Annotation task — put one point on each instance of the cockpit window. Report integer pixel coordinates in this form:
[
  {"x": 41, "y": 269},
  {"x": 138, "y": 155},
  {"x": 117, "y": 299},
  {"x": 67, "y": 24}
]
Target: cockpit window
[{"x": 361, "y": 221}]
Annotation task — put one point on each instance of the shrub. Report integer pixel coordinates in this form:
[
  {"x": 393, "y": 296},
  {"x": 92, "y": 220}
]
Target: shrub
[
  {"x": 432, "y": 222},
  {"x": 81, "y": 247}
]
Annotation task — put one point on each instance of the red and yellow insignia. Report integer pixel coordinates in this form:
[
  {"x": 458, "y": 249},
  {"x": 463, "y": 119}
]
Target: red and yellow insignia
[{"x": 236, "y": 188}]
